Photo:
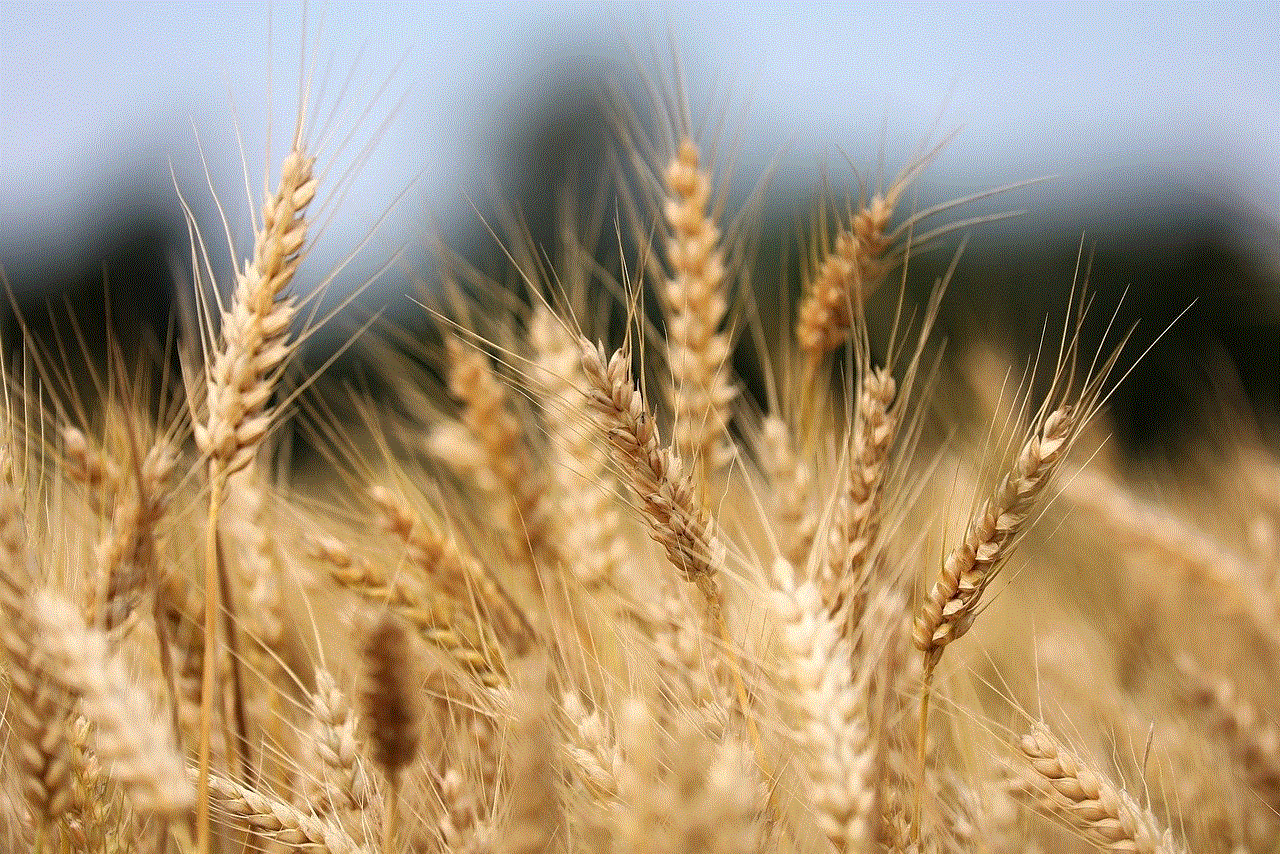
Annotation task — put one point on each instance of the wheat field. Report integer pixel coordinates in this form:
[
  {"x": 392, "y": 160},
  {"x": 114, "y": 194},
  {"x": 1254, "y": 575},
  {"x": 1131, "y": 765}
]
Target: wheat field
[{"x": 562, "y": 584}]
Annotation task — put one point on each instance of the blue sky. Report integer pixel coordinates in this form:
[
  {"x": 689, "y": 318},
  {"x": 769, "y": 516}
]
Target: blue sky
[{"x": 96, "y": 97}]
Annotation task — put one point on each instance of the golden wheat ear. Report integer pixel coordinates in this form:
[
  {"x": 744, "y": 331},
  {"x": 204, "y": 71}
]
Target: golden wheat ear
[
  {"x": 244, "y": 359},
  {"x": 1063, "y": 786},
  {"x": 36, "y": 714},
  {"x": 842, "y": 272},
  {"x": 135, "y": 745}
]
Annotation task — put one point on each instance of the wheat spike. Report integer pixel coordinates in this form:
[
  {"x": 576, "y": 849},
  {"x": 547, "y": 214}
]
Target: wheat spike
[
  {"x": 1064, "y": 786},
  {"x": 135, "y": 745},
  {"x": 952, "y": 605},
  {"x": 695, "y": 303},
  {"x": 655, "y": 474}
]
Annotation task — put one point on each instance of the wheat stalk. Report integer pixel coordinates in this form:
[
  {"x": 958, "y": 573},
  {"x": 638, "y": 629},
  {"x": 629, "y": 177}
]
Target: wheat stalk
[{"x": 242, "y": 369}]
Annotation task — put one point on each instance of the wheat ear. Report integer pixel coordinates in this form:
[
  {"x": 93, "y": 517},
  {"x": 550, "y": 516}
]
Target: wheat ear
[
  {"x": 655, "y": 474},
  {"x": 277, "y": 820},
  {"x": 133, "y": 508},
  {"x": 454, "y": 573},
  {"x": 695, "y": 302},
  {"x": 341, "y": 785},
  {"x": 510, "y": 477},
  {"x": 535, "y": 814},
  {"x": 667, "y": 493},
  {"x": 441, "y": 623},
  {"x": 597, "y": 550},
  {"x": 681, "y": 789},
  {"x": 952, "y": 604},
  {"x": 791, "y": 481},
  {"x": 828, "y": 708},
  {"x": 246, "y": 362},
  {"x": 1179, "y": 543},
  {"x": 36, "y": 712},
  {"x": 1252, "y": 738},
  {"x": 845, "y": 276},
  {"x": 135, "y": 745},
  {"x": 590, "y": 747},
  {"x": 857, "y": 524},
  {"x": 1063, "y": 785},
  {"x": 253, "y": 340},
  {"x": 391, "y": 710}
]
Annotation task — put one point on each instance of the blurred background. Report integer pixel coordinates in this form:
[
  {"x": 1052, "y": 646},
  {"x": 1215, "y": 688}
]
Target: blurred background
[{"x": 1159, "y": 123}]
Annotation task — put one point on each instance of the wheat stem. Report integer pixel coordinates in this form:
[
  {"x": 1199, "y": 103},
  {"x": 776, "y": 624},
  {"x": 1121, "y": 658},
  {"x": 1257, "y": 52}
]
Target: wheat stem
[{"x": 212, "y": 607}]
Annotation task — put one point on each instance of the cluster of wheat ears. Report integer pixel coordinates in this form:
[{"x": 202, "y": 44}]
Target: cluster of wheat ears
[{"x": 562, "y": 584}]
